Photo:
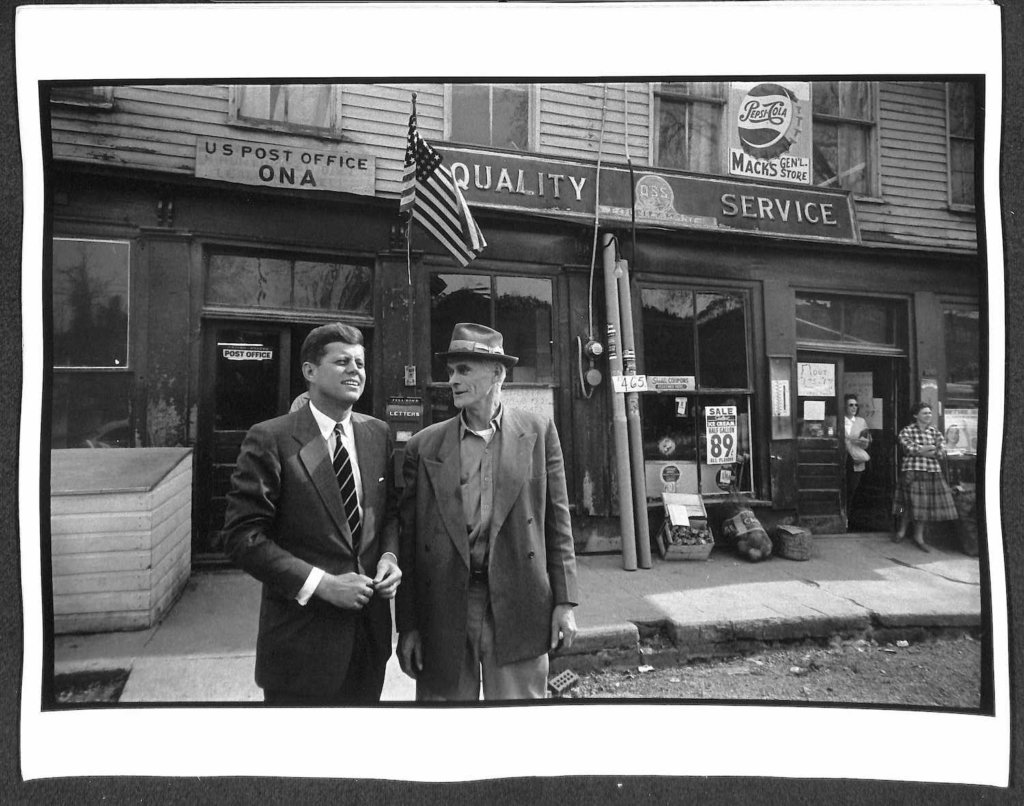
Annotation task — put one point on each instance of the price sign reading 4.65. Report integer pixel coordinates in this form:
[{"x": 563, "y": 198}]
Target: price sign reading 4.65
[
  {"x": 720, "y": 424},
  {"x": 629, "y": 383}
]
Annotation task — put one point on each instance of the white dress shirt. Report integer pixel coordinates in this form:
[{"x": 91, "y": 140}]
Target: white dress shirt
[{"x": 326, "y": 425}]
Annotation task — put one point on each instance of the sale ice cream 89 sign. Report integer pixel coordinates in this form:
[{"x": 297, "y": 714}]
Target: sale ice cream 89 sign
[{"x": 720, "y": 427}]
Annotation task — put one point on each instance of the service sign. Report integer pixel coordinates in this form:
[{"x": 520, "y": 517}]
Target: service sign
[
  {"x": 568, "y": 189},
  {"x": 770, "y": 131},
  {"x": 332, "y": 166},
  {"x": 720, "y": 423}
]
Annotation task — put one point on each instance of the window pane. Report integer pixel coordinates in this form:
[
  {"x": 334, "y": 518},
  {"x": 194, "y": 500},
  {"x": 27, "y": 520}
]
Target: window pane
[
  {"x": 963, "y": 355},
  {"x": 689, "y": 135},
  {"x": 90, "y": 303},
  {"x": 247, "y": 374},
  {"x": 471, "y": 115},
  {"x": 668, "y": 332},
  {"x": 249, "y": 281},
  {"x": 333, "y": 286},
  {"x": 522, "y": 313},
  {"x": 722, "y": 340},
  {"x": 667, "y": 427},
  {"x": 868, "y": 322},
  {"x": 91, "y": 410},
  {"x": 825, "y": 97},
  {"x": 455, "y": 298},
  {"x": 961, "y": 109},
  {"x": 511, "y": 118},
  {"x": 961, "y": 173},
  {"x": 826, "y": 154},
  {"x": 818, "y": 319},
  {"x": 853, "y": 158},
  {"x": 298, "y": 104},
  {"x": 855, "y": 100}
]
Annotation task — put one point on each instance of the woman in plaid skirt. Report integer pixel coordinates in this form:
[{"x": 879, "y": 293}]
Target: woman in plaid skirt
[{"x": 922, "y": 493}]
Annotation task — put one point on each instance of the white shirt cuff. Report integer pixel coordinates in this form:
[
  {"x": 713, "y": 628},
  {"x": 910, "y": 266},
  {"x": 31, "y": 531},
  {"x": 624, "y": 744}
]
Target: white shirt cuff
[
  {"x": 391, "y": 555},
  {"x": 306, "y": 592}
]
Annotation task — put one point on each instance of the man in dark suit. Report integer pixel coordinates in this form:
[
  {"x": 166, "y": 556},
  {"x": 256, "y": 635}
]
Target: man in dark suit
[
  {"x": 312, "y": 515},
  {"x": 486, "y": 541}
]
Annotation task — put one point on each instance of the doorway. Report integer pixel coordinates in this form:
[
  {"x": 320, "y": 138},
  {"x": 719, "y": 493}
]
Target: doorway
[
  {"x": 251, "y": 372},
  {"x": 824, "y": 499}
]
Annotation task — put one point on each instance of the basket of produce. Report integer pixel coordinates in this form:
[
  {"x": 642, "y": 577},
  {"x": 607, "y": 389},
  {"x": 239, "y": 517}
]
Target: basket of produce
[
  {"x": 794, "y": 542},
  {"x": 684, "y": 535}
]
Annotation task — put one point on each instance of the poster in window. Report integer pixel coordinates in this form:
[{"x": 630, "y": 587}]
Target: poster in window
[
  {"x": 770, "y": 130},
  {"x": 816, "y": 380}
]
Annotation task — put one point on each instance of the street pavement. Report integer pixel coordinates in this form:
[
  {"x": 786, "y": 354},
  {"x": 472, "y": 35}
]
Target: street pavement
[{"x": 853, "y": 585}]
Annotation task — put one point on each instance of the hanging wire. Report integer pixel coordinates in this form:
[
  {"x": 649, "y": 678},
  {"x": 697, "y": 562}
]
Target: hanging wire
[{"x": 597, "y": 202}]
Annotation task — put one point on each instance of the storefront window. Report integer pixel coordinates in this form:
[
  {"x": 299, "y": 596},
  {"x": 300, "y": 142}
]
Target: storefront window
[
  {"x": 521, "y": 311},
  {"x": 963, "y": 356},
  {"x": 850, "y": 320},
  {"x": 844, "y": 128},
  {"x": 960, "y": 96},
  {"x": 492, "y": 115},
  {"x": 311, "y": 108},
  {"x": 697, "y": 420},
  {"x": 91, "y": 410},
  {"x": 689, "y": 115},
  {"x": 262, "y": 282},
  {"x": 90, "y": 303}
]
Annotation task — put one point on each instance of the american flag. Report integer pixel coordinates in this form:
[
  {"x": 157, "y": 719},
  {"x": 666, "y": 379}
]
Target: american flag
[{"x": 430, "y": 194}]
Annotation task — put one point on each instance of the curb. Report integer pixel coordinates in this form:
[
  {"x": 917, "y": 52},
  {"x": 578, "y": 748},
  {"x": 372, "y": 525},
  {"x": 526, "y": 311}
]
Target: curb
[{"x": 674, "y": 643}]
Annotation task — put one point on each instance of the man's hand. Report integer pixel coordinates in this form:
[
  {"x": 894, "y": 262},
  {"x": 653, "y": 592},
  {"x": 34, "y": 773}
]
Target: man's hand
[
  {"x": 410, "y": 653},
  {"x": 350, "y": 591},
  {"x": 563, "y": 627},
  {"x": 389, "y": 575}
]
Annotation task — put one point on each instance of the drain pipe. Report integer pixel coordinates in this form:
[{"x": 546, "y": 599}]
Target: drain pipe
[
  {"x": 618, "y": 402},
  {"x": 636, "y": 445}
]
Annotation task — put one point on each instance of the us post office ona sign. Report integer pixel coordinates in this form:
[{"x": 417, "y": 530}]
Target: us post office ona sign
[{"x": 267, "y": 164}]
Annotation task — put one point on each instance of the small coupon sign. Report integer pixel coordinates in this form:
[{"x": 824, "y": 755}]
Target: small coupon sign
[{"x": 629, "y": 383}]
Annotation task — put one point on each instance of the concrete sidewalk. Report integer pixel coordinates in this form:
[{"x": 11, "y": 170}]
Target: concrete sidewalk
[{"x": 204, "y": 649}]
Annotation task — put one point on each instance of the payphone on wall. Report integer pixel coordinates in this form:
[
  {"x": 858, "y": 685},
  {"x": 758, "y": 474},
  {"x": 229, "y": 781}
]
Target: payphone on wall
[{"x": 404, "y": 417}]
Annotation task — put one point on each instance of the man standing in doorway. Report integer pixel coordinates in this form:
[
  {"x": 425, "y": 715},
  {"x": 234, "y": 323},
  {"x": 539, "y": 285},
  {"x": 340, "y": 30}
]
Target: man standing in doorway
[
  {"x": 312, "y": 514},
  {"x": 486, "y": 540}
]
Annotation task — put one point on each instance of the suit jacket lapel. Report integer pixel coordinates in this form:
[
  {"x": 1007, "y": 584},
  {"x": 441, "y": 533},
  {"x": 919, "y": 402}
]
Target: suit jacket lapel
[
  {"x": 443, "y": 471},
  {"x": 513, "y": 468},
  {"x": 317, "y": 461}
]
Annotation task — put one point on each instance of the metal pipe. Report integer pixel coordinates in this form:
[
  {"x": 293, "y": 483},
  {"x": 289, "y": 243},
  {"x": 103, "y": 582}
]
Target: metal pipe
[
  {"x": 636, "y": 444},
  {"x": 618, "y": 403}
]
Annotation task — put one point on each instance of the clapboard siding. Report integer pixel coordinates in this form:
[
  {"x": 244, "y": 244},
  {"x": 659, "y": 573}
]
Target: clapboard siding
[
  {"x": 914, "y": 184},
  {"x": 120, "y": 547},
  {"x": 156, "y": 127}
]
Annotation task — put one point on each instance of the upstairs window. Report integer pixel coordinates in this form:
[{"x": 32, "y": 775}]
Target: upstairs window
[
  {"x": 832, "y": 322},
  {"x": 689, "y": 125},
  {"x": 844, "y": 132},
  {"x": 83, "y": 96},
  {"x": 961, "y": 111},
  {"x": 492, "y": 115},
  {"x": 303, "y": 108}
]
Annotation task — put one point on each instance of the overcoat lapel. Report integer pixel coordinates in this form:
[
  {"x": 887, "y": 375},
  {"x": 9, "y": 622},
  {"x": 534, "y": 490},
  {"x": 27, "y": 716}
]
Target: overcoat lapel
[
  {"x": 443, "y": 471},
  {"x": 317, "y": 461},
  {"x": 513, "y": 468}
]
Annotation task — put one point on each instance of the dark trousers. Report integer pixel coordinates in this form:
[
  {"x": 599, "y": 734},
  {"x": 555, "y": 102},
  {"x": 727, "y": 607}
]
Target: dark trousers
[{"x": 363, "y": 683}]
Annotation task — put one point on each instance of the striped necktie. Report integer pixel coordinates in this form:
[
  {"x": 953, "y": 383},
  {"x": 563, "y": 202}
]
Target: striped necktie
[{"x": 347, "y": 484}]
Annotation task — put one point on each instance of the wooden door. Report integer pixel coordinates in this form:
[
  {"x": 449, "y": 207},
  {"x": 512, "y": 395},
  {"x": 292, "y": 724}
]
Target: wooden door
[
  {"x": 247, "y": 379},
  {"x": 820, "y": 444}
]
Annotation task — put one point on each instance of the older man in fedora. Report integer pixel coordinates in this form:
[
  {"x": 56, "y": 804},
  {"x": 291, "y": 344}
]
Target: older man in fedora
[{"x": 485, "y": 539}]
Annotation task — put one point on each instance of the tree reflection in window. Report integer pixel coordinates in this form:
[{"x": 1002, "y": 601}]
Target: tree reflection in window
[
  {"x": 264, "y": 282},
  {"x": 518, "y": 307},
  {"x": 90, "y": 303}
]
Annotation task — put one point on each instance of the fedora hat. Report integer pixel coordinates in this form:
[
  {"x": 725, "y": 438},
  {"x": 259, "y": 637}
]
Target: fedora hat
[{"x": 477, "y": 341}]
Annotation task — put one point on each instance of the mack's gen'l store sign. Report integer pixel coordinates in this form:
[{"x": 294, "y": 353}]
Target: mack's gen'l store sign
[{"x": 566, "y": 188}]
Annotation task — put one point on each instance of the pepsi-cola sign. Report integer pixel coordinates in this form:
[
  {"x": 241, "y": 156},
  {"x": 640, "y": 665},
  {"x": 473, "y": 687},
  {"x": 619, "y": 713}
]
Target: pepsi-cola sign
[{"x": 771, "y": 134}]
